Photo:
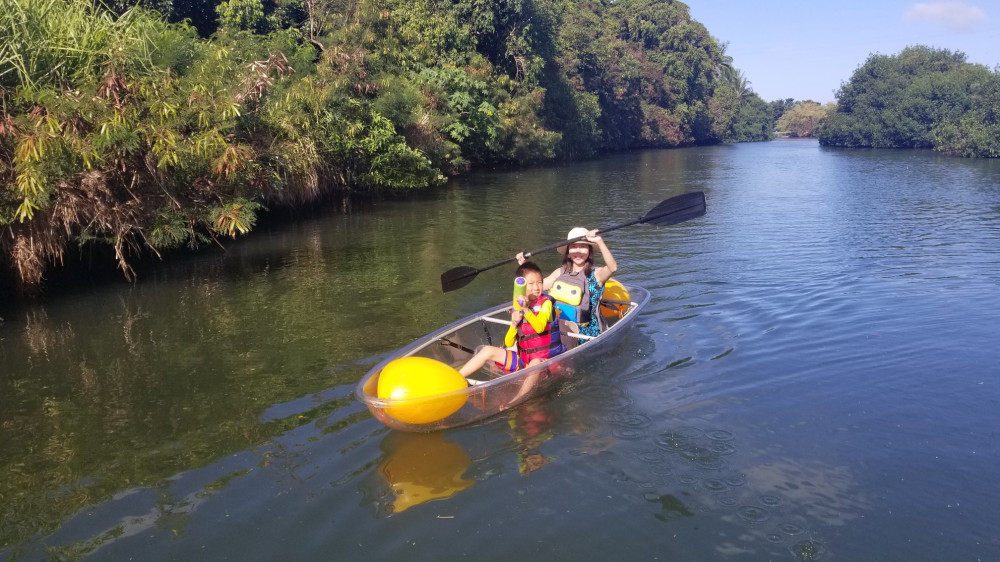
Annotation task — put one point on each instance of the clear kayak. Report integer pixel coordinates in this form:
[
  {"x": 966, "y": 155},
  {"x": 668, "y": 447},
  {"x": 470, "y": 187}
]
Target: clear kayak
[{"x": 490, "y": 390}]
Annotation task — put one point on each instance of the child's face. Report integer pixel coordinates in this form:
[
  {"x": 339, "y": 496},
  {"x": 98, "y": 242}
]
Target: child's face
[{"x": 533, "y": 285}]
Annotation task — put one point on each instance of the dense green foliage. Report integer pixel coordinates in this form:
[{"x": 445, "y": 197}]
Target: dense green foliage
[
  {"x": 920, "y": 98},
  {"x": 120, "y": 128},
  {"x": 802, "y": 119},
  {"x": 753, "y": 121}
]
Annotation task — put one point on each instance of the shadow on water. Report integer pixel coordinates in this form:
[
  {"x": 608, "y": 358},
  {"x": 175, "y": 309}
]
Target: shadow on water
[
  {"x": 274, "y": 244},
  {"x": 105, "y": 511}
]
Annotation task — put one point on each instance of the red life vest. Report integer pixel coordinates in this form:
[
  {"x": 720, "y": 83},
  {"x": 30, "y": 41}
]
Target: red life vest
[{"x": 546, "y": 344}]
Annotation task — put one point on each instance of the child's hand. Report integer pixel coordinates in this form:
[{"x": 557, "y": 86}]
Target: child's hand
[
  {"x": 516, "y": 316},
  {"x": 520, "y": 258}
]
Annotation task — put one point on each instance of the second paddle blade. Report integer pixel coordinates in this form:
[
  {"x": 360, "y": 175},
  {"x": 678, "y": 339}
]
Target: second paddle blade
[
  {"x": 457, "y": 277},
  {"x": 677, "y": 209}
]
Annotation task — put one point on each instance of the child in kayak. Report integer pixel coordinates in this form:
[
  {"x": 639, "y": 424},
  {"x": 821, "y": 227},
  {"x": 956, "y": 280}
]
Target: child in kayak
[{"x": 534, "y": 330}]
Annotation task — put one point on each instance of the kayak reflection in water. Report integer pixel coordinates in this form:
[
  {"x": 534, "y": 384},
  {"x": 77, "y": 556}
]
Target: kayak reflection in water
[{"x": 531, "y": 425}]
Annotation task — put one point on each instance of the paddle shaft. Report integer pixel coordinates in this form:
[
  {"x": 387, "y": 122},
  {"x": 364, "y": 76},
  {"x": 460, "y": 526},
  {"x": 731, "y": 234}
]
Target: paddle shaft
[
  {"x": 670, "y": 211},
  {"x": 552, "y": 247}
]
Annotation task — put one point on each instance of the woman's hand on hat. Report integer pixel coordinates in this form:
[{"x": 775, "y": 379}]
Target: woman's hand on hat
[{"x": 592, "y": 236}]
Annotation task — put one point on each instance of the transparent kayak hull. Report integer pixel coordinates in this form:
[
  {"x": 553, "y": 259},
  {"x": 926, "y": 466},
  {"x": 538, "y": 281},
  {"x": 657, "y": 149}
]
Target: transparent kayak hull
[{"x": 492, "y": 391}]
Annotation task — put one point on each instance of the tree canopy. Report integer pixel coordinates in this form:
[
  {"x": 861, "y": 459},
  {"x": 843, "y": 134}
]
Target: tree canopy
[
  {"x": 802, "y": 119},
  {"x": 151, "y": 124},
  {"x": 920, "y": 98}
]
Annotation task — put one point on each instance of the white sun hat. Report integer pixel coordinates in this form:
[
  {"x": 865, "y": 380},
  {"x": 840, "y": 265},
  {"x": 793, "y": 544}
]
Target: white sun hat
[{"x": 577, "y": 232}]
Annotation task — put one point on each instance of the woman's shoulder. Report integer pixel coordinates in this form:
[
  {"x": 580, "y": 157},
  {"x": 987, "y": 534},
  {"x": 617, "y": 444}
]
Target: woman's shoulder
[{"x": 601, "y": 274}]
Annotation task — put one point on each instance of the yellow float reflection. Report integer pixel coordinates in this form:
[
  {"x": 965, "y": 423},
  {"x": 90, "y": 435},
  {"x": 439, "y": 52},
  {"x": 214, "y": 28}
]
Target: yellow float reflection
[{"x": 420, "y": 467}]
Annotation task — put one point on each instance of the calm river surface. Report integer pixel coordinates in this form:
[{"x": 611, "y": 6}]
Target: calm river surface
[{"x": 816, "y": 378}]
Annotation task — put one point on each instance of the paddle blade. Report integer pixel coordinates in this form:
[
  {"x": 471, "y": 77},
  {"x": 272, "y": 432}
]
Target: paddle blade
[
  {"x": 677, "y": 209},
  {"x": 457, "y": 277}
]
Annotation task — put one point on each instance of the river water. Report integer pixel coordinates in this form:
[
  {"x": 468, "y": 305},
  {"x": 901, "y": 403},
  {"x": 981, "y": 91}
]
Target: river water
[{"x": 814, "y": 379}]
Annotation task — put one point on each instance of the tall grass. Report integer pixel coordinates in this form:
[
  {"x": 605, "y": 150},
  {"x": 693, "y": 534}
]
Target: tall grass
[{"x": 60, "y": 43}]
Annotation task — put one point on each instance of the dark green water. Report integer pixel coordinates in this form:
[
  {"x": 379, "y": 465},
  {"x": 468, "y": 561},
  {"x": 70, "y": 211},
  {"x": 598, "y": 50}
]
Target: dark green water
[{"x": 815, "y": 379}]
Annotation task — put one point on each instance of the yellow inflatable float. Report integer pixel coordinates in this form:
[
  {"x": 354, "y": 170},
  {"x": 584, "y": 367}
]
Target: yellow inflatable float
[
  {"x": 421, "y": 386},
  {"x": 615, "y": 291}
]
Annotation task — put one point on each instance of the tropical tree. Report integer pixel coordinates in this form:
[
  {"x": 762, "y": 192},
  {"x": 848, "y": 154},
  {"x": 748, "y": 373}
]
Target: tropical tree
[
  {"x": 803, "y": 118},
  {"x": 779, "y": 107},
  {"x": 976, "y": 133},
  {"x": 920, "y": 98},
  {"x": 753, "y": 122}
]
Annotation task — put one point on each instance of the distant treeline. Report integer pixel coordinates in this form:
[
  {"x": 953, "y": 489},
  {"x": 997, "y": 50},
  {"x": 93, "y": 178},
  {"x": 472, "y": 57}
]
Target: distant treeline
[
  {"x": 169, "y": 123},
  {"x": 920, "y": 98}
]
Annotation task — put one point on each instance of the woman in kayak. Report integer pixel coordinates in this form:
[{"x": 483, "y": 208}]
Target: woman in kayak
[
  {"x": 578, "y": 284},
  {"x": 534, "y": 330}
]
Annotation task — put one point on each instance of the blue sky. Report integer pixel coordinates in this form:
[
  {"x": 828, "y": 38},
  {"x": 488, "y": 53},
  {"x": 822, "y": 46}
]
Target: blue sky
[{"x": 806, "y": 49}]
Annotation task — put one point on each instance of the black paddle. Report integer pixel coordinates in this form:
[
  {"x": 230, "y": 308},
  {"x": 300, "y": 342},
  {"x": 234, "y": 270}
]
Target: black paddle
[{"x": 670, "y": 211}]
